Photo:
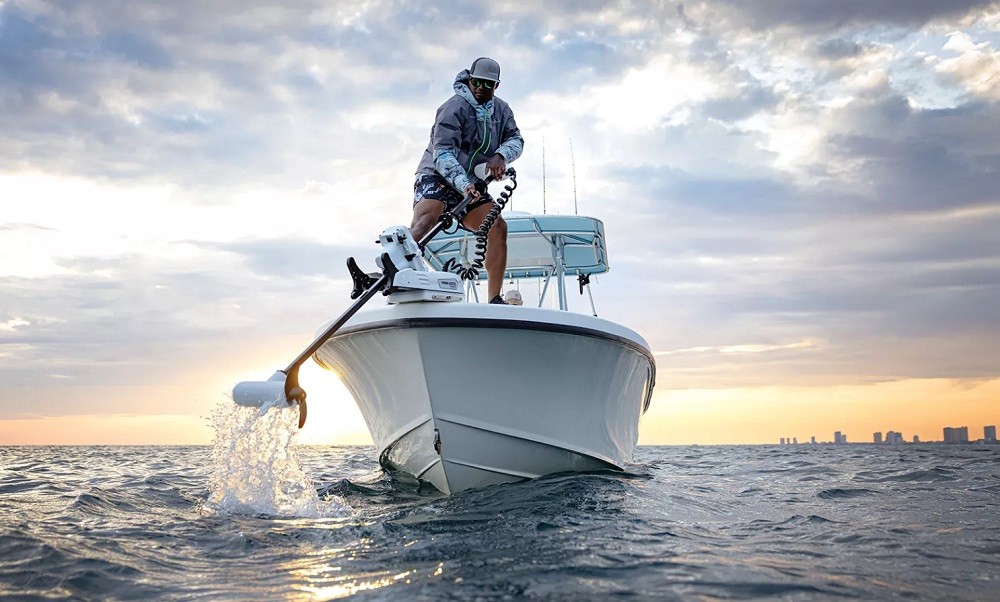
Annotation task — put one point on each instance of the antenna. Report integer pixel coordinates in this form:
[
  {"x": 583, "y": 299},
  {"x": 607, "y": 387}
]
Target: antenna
[
  {"x": 573, "y": 165},
  {"x": 543, "y": 175}
]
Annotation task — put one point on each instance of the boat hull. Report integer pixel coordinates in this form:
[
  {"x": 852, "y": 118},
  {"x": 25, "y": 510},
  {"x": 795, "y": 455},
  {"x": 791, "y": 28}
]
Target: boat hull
[{"x": 469, "y": 395}]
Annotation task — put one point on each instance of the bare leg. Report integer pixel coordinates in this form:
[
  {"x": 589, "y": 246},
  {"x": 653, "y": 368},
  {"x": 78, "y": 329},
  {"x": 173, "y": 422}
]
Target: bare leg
[
  {"x": 425, "y": 214},
  {"x": 496, "y": 256},
  {"x": 496, "y": 247}
]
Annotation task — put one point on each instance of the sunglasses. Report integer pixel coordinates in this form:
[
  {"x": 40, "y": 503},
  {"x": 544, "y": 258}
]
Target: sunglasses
[{"x": 482, "y": 83}]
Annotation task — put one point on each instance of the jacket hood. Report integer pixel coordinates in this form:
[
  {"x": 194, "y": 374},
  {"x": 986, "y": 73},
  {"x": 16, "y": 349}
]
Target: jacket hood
[{"x": 462, "y": 89}]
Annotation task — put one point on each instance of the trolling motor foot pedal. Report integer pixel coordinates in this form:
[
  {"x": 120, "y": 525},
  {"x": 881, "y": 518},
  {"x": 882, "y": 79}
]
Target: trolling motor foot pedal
[
  {"x": 390, "y": 270},
  {"x": 361, "y": 280}
]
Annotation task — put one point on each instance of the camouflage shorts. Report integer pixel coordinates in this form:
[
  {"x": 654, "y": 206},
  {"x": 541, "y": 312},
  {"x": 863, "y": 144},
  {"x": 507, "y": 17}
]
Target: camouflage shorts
[{"x": 437, "y": 188}]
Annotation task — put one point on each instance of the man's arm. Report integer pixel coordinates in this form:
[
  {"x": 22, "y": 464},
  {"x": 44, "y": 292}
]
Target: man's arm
[
  {"x": 447, "y": 137},
  {"x": 513, "y": 143},
  {"x": 446, "y": 163}
]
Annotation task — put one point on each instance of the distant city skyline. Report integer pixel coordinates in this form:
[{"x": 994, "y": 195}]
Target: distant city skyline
[{"x": 949, "y": 435}]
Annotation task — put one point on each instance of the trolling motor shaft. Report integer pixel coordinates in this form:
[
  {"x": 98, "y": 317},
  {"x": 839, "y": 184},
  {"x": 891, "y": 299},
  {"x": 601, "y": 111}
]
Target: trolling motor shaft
[{"x": 283, "y": 386}]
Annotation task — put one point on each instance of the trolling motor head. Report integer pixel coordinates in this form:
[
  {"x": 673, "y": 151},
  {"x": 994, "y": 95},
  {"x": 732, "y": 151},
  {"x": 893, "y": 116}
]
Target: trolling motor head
[
  {"x": 480, "y": 172},
  {"x": 410, "y": 278}
]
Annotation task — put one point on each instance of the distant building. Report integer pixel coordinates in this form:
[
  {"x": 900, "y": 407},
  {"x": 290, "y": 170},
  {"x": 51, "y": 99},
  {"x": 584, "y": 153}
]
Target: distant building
[
  {"x": 782, "y": 441},
  {"x": 877, "y": 437},
  {"x": 795, "y": 440},
  {"x": 990, "y": 434},
  {"x": 893, "y": 438},
  {"x": 956, "y": 435},
  {"x": 812, "y": 440},
  {"x": 916, "y": 439},
  {"x": 839, "y": 438}
]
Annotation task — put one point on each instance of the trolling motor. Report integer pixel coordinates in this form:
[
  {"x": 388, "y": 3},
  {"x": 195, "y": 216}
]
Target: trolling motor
[
  {"x": 405, "y": 277},
  {"x": 410, "y": 278}
]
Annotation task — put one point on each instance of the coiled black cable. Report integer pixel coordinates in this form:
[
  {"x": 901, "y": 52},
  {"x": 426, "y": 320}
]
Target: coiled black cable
[{"x": 471, "y": 272}]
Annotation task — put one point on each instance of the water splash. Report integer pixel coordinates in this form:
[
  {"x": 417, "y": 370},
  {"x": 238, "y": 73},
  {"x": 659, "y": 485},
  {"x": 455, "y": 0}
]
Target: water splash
[{"x": 256, "y": 469}]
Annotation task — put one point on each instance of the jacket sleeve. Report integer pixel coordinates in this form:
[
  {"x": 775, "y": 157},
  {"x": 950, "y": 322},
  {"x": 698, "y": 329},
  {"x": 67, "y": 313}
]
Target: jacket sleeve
[
  {"x": 512, "y": 145},
  {"x": 447, "y": 139}
]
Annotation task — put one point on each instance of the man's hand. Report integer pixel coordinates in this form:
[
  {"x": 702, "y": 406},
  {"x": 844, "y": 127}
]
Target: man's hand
[
  {"x": 470, "y": 190},
  {"x": 495, "y": 166}
]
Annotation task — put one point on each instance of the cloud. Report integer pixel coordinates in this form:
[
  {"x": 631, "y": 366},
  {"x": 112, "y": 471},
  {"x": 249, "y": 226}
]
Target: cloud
[
  {"x": 813, "y": 15},
  {"x": 977, "y": 66},
  {"x": 917, "y": 159},
  {"x": 744, "y": 348},
  {"x": 839, "y": 49},
  {"x": 769, "y": 174},
  {"x": 25, "y": 228},
  {"x": 138, "y": 321},
  {"x": 292, "y": 258}
]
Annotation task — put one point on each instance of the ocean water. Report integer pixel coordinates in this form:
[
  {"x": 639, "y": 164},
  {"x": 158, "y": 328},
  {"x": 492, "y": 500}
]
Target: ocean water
[{"x": 254, "y": 517}]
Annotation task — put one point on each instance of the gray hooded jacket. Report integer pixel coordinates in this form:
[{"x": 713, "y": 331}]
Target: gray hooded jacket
[{"x": 466, "y": 134}]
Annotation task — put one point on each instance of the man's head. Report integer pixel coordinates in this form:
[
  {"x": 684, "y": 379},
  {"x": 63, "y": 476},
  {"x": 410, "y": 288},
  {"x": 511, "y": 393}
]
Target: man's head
[{"x": 484, "y": 79}]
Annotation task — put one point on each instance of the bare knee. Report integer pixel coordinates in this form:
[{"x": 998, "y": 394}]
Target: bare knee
[
  {"x": 425, "y": 214},
  {"x": 499, "y": 229},
  {"x": 421, "y": 225}
]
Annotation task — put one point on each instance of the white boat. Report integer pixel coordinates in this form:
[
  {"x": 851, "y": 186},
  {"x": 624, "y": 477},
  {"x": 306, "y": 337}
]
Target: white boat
[{"x": 466, "y": 395}]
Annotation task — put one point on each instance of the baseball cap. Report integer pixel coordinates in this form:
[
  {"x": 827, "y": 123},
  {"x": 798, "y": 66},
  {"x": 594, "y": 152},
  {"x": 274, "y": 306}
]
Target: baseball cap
[{"x": 485, "y": 68}]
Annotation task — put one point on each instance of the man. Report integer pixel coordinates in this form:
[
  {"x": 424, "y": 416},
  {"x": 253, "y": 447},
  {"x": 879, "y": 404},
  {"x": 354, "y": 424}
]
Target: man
[{"x": 471, "y": 127}]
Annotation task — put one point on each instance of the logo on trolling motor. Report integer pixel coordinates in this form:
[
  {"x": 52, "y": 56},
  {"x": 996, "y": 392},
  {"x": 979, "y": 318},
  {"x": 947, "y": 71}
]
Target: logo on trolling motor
[{"x": 449, "y": 284}]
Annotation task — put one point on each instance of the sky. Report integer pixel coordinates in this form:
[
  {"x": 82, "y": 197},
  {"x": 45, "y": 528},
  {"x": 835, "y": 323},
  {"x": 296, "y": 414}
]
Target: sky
[{"x": 800, "y": 199}]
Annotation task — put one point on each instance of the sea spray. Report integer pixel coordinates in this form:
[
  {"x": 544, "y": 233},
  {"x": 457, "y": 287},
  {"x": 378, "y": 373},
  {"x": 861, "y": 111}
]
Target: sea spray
[{"x": 255, "y": 466}]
